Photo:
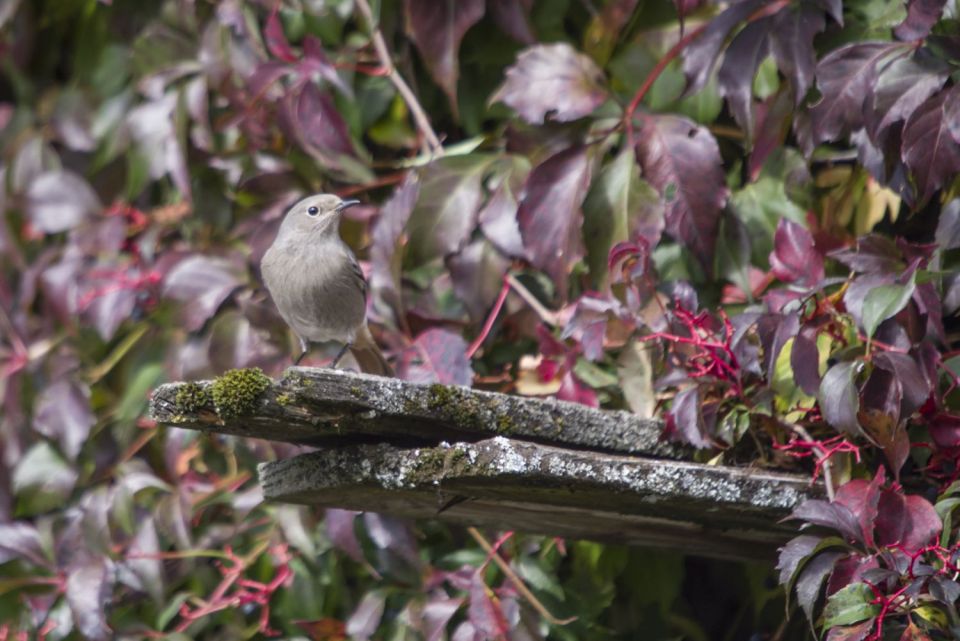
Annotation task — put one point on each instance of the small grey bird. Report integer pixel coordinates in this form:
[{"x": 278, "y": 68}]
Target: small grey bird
[{"x": 317, "y": 285}]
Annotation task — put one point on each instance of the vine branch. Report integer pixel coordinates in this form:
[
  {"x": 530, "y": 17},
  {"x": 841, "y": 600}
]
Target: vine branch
[{"x": 416, "y": 110}]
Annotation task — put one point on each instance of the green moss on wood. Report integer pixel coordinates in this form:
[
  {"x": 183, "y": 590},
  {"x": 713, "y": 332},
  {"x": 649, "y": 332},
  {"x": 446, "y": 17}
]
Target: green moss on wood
[
  {"x": 191, "y": 398},
  {"x": 236, "y": 392}
]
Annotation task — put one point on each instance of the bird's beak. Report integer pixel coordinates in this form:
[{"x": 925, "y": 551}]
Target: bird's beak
[{"x": 346, "y": 204}]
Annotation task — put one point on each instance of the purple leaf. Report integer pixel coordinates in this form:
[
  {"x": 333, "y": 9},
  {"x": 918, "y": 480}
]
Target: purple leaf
[
  {"x": 366, "y": 617},
  {"x": 477, "y": 274},
  {"x": 552, "y": 82},
  {"x": 619, "y": 207},
  {"x": 315, "y": 61},
  {"x": 201, "y": 284},
  {"x": 795, "y": 257},
  {"x": 317, "y": 122},
  {"x": 811, "y": 579},
  {"x": 929, "y": 150},
  {"x": 513, "y": 18},
  {"x": 945, "y": 430},
  {"x": 951, "y": 113},
  {"x": 143, "y": 562},
  {"x": 773, "y": 124},
  {"x": 805, "y": 359},
  {"x": 845, "y": 76},
  {"x": 276, "y": 40},
  {"x": 88, "y": 590},
  {"x": 236, "y": 343},
  {"x": 340, "y": 529},
  {"x": 498, "y": 218},
  {"x": 948, "y": 226},
  {"x": 703, "y": 52},
  {"x": 108, "y": 311},
  {"x": 793, "y": 554},
  {"x": 446, "y": 210},
  {"x": 682, "y": 160},
  {"x": 60, "y": 200},
  {"x": 909, "y": 520},
  {"x": 839, "y": 397},
  {"x": 484, "y": 613},
  {"x": 775, "y": 330},
  {"x": 550, "y": 216},
  {"x": 740, "y": 62},
  {"x": 902, "y": 85},
  {"x": 791, "y": 42},
  {"x": 437, "y": 29},
  {"x": 686, "y": 416},
  {"x": 387, "y": 249},
  {"x": 437, "y": 356},
  {"x": 21, "y": 540},
  {"x": 921, "y": 16},
  {"x": 151, "y": 125},
  {"x": 872, "y": 254},
  {"x": 63, "y": 415},
  {"x": 436, "y": 614},
  {"x": 390, "y": 533},
  {"x": 830, "y": 515}
]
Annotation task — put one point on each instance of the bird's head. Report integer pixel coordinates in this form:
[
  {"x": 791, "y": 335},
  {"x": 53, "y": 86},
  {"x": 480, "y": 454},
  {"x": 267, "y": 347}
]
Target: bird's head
[{"x": 317, "y": 214}]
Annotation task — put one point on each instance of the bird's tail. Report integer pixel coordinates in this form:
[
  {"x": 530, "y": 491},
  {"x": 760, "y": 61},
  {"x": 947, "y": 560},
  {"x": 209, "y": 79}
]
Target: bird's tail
[{"x": 368, "y": 355}]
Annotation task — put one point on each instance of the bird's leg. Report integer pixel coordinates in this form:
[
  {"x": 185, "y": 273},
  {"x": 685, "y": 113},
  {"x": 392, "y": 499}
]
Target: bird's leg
[
  {"x": 343, "y": 350},
  {"x": 304, "y": 348}
]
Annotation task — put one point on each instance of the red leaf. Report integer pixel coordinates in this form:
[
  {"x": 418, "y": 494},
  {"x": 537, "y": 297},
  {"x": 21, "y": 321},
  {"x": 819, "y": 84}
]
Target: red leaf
[
  {"x": 437, "y": 28},
  {"x": 795, "y": 257},
  {"x": 682, "y": 160},
  {"x": 909, "y": 520},
  {"x": 276, "y": 40},
  {"x": 485, "y": 613},
  {"x": 861, "y": 498},
  {"x": 945, "y": 430},
  {"x": 855, "y": 632},
  {"x": 571, "y": 389}
]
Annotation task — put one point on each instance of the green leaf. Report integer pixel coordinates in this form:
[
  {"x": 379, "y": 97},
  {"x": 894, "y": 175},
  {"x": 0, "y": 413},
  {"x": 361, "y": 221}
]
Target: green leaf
[
  {"x": 852, "y": 604},
  {"x": 446, "y": 210},
  {"x": 635, "y": 369},
  {"x": 761, "y": 205},
  {"x": 884, "y": 302},
  {"x": 593, "y": 375},
  {"x": 618, "y": 202}
]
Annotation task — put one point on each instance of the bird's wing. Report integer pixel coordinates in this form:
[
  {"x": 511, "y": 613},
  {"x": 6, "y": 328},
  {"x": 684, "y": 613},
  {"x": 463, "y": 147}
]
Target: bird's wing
[{"x": 358, "y": 273}]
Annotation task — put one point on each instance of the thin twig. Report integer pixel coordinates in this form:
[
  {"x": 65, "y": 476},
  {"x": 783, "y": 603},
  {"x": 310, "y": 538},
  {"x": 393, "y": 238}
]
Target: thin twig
[
  {"x": 517, "y": 581},
  {"x": 548, "y": 317},
  {"x": 419, "y": 115}
]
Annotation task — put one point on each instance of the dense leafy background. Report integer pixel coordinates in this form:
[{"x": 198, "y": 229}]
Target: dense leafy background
[{"x": 739, "y": 216}]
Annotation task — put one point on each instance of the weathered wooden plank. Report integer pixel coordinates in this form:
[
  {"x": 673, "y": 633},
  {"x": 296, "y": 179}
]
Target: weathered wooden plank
[
  {"x": 333, "y": 407},
  {"x": 700, "y": 509}
]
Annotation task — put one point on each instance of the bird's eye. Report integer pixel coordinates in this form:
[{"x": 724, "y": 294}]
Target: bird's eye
[{"x": 313, "y": 211}]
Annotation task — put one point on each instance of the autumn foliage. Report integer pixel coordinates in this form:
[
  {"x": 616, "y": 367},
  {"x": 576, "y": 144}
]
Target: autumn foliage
[{"x": 742, "y": 217}]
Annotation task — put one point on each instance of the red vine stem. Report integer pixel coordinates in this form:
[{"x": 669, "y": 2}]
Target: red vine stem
[{"x": 488, "y": 325}]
